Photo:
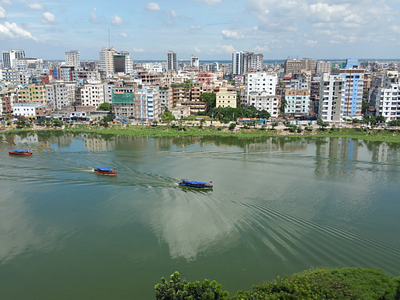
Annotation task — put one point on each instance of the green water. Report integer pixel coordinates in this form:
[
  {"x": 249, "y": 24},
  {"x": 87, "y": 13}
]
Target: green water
[{"x": 279, "y": 206}]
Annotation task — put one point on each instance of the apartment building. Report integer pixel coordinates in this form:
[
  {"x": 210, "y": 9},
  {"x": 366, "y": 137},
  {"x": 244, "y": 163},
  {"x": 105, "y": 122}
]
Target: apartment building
[
  {"x": 259, "y": 82},
  {"x": 264, "y": 101},
  {"x": 32, "y": 93},
  {"x": 331, "y": 93},
  {"x": 298, "y": 102},
  {"x": 166, "y": 98},
  {"x": 92, "y": 95},
  {"x": 72, "y": 58},
  {"x": 296, "y": 66},
  {"x": 225, "y": 98},
  {"x": 61, "y": 94}
]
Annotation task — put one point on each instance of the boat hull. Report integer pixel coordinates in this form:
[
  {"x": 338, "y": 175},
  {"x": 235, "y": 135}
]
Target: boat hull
[
  {"x": 205, "y": 187},
  {"x": 19, "y": 153},
  {"x": 106, "y": 173}
]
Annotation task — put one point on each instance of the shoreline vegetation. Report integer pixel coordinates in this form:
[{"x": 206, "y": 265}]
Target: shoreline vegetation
[
  {"x": 390, "y": 135},
  {"x": 317, "y": 283}
]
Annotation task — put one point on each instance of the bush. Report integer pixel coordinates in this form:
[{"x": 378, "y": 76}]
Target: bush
[
  {"x": 263, "y": 127},
  {"x": 308, "y": 128},
  {"x": 324, "y": 283},
  {"x": 226, "y": 120},
  {"x": 293, "y": 128},
  {"x": 220, "y": 128},
  {"x": 177, "y": 289},
  {"x": 299, "y": 129},
  {"x": 232, "y": 126}
]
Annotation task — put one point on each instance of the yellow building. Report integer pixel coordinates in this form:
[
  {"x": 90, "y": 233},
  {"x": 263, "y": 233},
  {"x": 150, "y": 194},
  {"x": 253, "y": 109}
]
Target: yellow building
[
  {"x": 226, "y": 99},
  {"x": 33, "y": 93}
]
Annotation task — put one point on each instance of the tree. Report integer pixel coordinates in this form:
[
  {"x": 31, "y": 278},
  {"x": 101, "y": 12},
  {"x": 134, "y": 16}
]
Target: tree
[
  {"x": 209, "y": 99},
  {"x": 263, "y": 114},
  {"x": 177, "y": 289},
  {"x": 370, "y": 119},
  {"x": 380, "y": 119},
  {"x": 232, "y": 126},
  {"x": 8, "y": 116},
  {"x": 105, "y": 107},
  {"x": 57, "y": 123},
  {"x": 21, "y": 122},
  {"x": 283, "y": 105},
  {"x": 322, "y": 124},
  {"x": 155, "y": 122},
  {"x": 167, "y": 116},
  {"x": 365, "y": 106}
]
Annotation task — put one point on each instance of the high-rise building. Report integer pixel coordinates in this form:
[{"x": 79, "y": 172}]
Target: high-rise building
[
  {"x": 323, "y": 67},
  {"x": 295, "y": 66},
  {"x": 9, "y": 56},
  {"x": 194, "y": 61},
  {"x": 260, "y": 82},
  {"x": 244, "y": 61},
  {"x": 331, "y": 95},
  {"x": 354, "y": 86},
  {"x": 72, "y": 58},
  {"x": 128, "y": 62},
  {"x": 172, "y": 63},
  {"x": 107, "y": 60}
]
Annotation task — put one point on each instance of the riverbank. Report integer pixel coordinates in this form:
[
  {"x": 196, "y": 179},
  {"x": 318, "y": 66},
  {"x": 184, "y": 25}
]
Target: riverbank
[{"x": 378, "y": 135}]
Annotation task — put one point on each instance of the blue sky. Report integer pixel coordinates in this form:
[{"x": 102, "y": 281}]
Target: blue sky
[{"x": 210, "y": 29}]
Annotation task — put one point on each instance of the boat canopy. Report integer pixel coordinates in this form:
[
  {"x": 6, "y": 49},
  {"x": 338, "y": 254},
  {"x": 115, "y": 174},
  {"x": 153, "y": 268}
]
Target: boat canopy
[
  {"x": 21, "y": 151},
  {"x": 193, "y": 182},
  {"x": 104, "y": 169}
]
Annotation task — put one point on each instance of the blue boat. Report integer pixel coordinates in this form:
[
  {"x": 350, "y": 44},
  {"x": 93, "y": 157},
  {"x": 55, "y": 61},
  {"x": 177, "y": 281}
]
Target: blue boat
[
  {"x": 196, "y": 184},
  {"x": 105, "y": 171}
]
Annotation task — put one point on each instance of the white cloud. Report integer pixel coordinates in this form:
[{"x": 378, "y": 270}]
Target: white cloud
[
  {"x": 35, "y": 6},
  {"x": 12, "y": 30},
  {"x": 93, "y": 17},
  {"x": 192, "y": 27},
  {"x": 261, "y": 49},
  {"x": 116, "y": 20},
  {"x": 227, "y": 49},
  {"x": 48, "y": 18},
  {"x": 123, "y": 34},
  {"x": 6, "y": 3},
  {"x": 232, "y": 35},
  {"x": 2, "y": 13},
  {"x": 311, "y": 43},
  {"x": 152, "y": 6},
  {"x": 197, "y": 50},
  {"x": 138, "y": 50},
  {"x": 174, "y": 13},
  {"x": 211, "y": 2}
]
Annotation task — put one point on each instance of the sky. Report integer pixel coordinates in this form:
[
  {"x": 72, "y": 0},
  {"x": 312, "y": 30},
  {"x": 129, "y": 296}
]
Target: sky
[{"x": 209, "y": 29}]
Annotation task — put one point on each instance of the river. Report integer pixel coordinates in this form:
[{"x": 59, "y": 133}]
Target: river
[{"x": 279, "y": 206}]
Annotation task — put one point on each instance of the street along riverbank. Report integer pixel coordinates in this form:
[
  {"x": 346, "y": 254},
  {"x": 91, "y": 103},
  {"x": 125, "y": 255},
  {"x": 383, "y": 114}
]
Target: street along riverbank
[{"x": 376, "y": 134}]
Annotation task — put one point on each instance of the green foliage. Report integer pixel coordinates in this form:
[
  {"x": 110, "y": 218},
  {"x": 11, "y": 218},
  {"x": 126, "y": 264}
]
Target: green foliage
[
  {"x": 21, "y": 122},
  {"x": 365, "y": 105},
  {"x": 263, "y": 127},
  {"x": 57, "y": 123},
  {"x": 105, "y": 107},
  {"x": 167, "y": 116},
  {"x": 293, "y": 128},
  {"x": 209, "y": 99},
  {"x": 370, "y": 119},
  {"x": 274, "y": 124},
  {"x": 191, "y": 118},
  {"x": 220, "y": 128},
  {"x": 324, "y": 283},
  {"x": 108, "y": 118},
  {"x": 177, "y": 289},
  {"x": 322, "y": 123},
  {"x": 225, "y": 120},
  {"x": 381, "y": 119},
  {"x": 394, "y": 123},
  {"x": 232, "y": 126},
  {"x": 299, "y": 129}
]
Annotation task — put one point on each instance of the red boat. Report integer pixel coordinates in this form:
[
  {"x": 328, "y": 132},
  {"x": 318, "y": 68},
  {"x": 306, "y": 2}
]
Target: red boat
[
  {"x": 20, "y": 152},
  {"x": 105, "y": 171}
]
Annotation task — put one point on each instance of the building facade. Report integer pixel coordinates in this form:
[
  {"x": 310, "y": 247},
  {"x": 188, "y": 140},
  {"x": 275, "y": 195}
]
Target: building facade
[
  {"x": 331, "y": 94},
  {"x": 172, "y": 63},
  {"x": 298, "y": 102},
  {"x": 9, "y": 56},
  {"x": 92, "y": 95},
  {"x": 225, "y": 98},
  {"x": 72, "y": 58}
]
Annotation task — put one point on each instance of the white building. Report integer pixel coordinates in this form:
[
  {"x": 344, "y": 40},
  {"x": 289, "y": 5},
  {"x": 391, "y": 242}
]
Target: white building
[
  {"x": 330, "y": 98},
  {"x": 298, "y": 102},
  {"x": 72, "y": 58},
  {"x": 27, "y": 109},
  {"x": 107, "y": 60},
  {"x": 92, "y": 95},
  {"x": 260, "y": 82},
  {"x": 194, "y": 61},
  {"x": 387, "y": 102},
  {"x": 172, "y": 63},
  {"x": 225, "y": 98},
  {"x": 263, "y": 101},
  {"x": 60, "y": 94},
  {"x": 90, "y": 76},
  {"x": 9, "y": 56}
]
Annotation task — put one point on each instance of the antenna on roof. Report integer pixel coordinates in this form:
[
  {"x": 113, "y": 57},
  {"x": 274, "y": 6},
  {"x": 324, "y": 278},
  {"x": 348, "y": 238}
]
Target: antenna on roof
[{"x": 109, "y": 43}]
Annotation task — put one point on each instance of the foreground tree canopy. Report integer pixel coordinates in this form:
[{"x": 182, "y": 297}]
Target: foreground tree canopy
[{"x": 320, "y": 283}]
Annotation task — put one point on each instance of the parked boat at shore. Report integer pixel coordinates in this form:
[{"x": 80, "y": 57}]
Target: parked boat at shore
[
  {"x": 105, "y": 171},
  {"x": 20, "y": 152},
  {"x": 196, "y": 184}
]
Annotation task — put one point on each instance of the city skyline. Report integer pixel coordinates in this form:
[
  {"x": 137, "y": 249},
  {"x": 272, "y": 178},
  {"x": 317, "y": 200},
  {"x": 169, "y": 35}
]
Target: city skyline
[{"x": 209, "y": 29}]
